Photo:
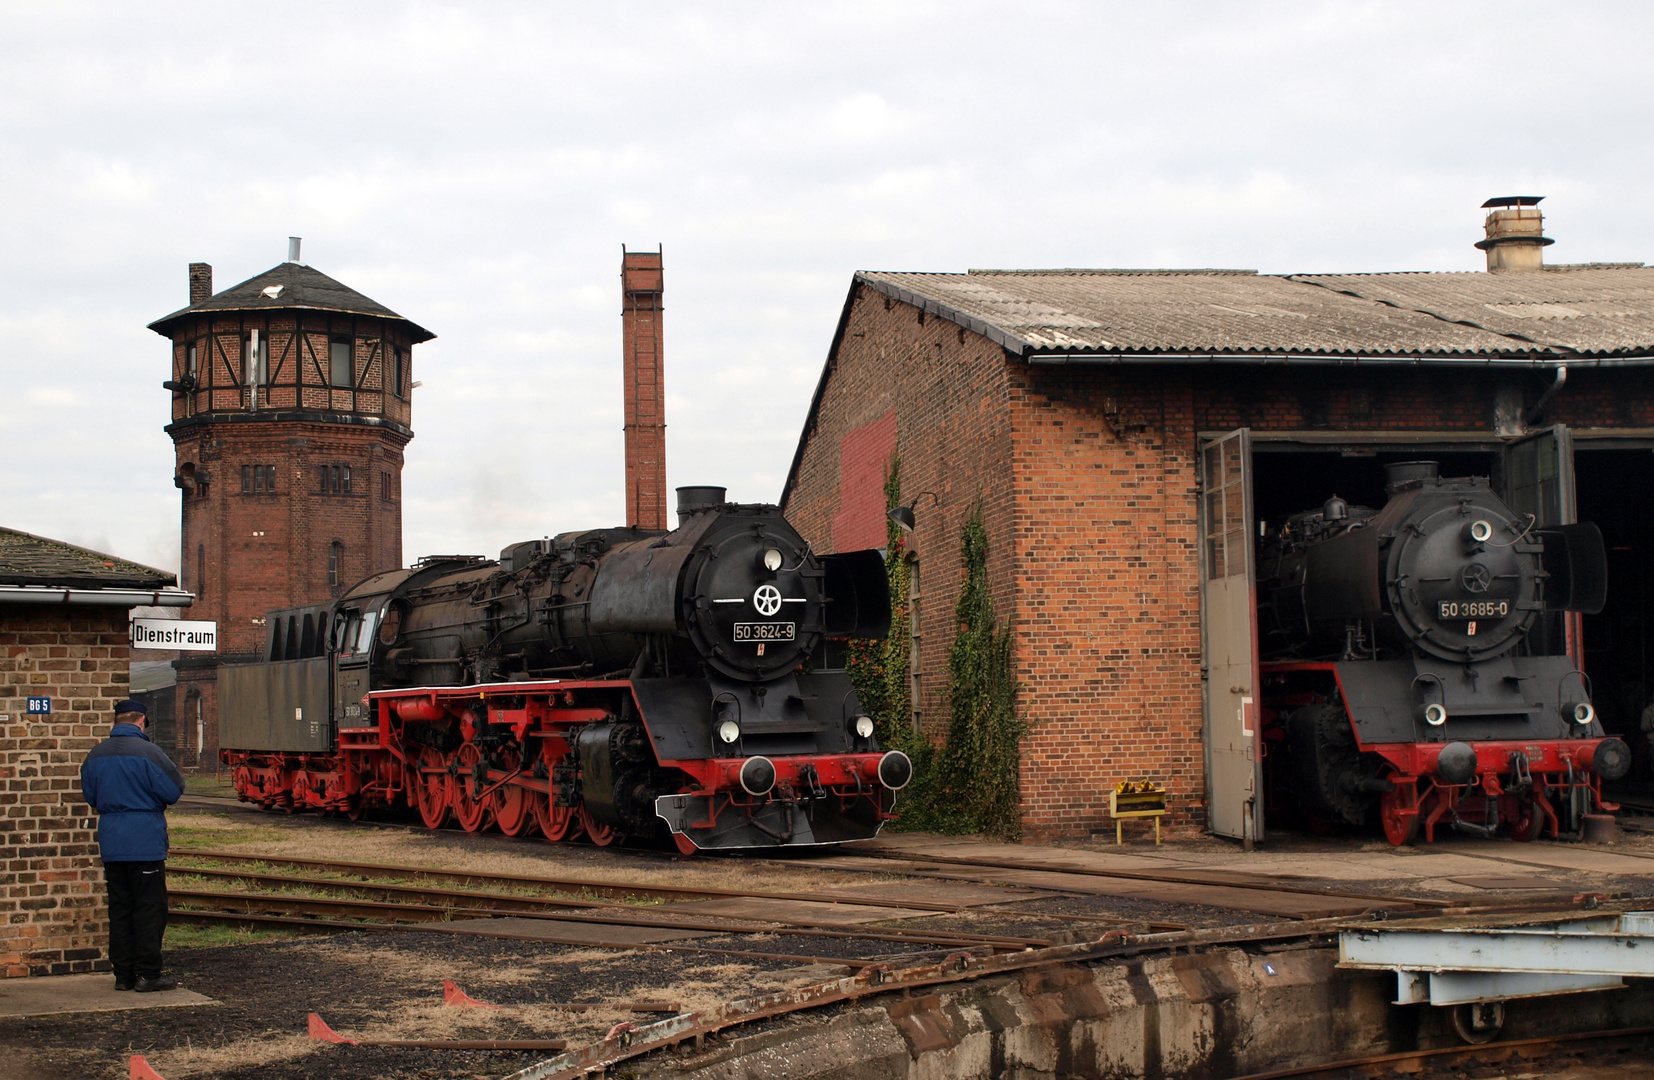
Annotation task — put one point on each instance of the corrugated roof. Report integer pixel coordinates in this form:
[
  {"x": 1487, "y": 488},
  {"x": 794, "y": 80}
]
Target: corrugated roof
[
  {"x": 1522, "y": 317},
  {"x": 294, "y": 286},
  {"x": 26, "y": 559},
  {"x": 1594, "y": 311}
]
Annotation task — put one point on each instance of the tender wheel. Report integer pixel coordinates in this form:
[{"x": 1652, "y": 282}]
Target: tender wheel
[
  {"x": 601, "y": 835},
  {"x": 430, "y": 788},
  {"x": 1399, "y": 828},
  {"x": 473, "y": 816},
  {"x": 354, "y": 810},
  {"x": 513, "y": 806},
  {"x": 556, "y": 822}
]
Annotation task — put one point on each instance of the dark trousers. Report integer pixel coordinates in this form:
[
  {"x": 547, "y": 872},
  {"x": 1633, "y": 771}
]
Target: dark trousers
[{"x": 137, "y": 917}]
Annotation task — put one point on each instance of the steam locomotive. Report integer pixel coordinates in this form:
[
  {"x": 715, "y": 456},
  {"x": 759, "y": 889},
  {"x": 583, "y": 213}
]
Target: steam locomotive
[
  {"x": 611, "y": 684},
  {"x": 1413, "y": 664}
]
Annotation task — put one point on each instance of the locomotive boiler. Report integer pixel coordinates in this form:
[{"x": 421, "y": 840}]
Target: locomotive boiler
[
  {"x": 611, "y": 683},
  {"x": 1414, "y": 663}
]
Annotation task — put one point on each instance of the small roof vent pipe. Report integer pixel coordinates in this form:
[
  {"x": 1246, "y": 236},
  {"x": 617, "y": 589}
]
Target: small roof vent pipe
[
  {"x": 1515, "y": 233},
  {"x": 293, "y": 249}
]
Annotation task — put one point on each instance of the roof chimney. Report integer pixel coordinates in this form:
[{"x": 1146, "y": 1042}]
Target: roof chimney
[
  {"x": 200, "y": 282},
  {"x": 1515, "y": 233},
  {"x": 641, "y": 285},
  {"x": 293, "y": 249}
]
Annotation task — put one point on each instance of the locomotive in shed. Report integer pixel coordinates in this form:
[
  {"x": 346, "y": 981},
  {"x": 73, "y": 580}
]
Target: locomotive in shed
[
  {"x": 1413, "y": 668},
  {"x": 612, "y": 683}
]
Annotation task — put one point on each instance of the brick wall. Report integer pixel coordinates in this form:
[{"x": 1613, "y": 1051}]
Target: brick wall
[
  {"x": 945, "y": 392},
  {"x": 1089, "y": 478},
  {"x": 52, "y": 898}
]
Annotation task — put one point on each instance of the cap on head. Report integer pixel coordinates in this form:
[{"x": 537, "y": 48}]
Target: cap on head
[{"x": 131, "y": 705}]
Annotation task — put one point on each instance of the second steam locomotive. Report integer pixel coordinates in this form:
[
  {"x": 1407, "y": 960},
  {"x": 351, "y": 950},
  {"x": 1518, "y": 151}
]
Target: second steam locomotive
[
  {"x": 1415, "y": 663},
  {"x": 609, "y": 684}
]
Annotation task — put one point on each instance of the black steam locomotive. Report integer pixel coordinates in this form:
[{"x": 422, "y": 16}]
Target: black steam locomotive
[
  {"x": 612, "y": 683},
  {"x": 1414, "y": 663}
]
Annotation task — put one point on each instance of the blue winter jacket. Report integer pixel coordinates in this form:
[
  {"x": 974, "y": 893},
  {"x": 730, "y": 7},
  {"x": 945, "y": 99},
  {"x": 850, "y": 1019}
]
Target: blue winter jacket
[{"x": 130, "y": 782}]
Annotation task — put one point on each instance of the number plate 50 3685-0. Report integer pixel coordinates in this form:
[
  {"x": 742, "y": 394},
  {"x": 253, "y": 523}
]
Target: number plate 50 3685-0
[
  {"x": 1472, "y": 609},
  {"x": 764, "y": 631}
]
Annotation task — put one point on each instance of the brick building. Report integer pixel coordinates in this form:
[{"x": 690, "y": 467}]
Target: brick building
[
  {"x": 1110, "y": 419},
  {"x": 63, "y": 665},
  {"x": 291, "y": 406}
]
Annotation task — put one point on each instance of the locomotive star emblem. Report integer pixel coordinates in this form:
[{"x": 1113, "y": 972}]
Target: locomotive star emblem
[
  {"x": 1476, "y": 578},
  {"x": 768, "y": 599}
]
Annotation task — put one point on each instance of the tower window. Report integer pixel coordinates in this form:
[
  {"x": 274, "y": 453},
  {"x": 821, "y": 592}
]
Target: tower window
[
  {"x": 258, "y": 479},
  {"x": 189, "y": 360},
  {"x": 335, "y": 479},
  {"x": 396, "y": 369},
  {"x": 335, "y": 552},
  {"x": 385, "y": 486},
  {"x": 340, "y": 352}
]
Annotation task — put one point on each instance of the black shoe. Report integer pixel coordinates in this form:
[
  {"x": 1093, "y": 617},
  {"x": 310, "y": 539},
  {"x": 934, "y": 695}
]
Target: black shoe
[
  {"x": 124, "y": 984},
  {"x": 160, "y": 982}
]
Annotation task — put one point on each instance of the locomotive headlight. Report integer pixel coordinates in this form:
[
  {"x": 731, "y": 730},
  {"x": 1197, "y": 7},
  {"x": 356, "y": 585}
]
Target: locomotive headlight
[
  {"x": 1435, "y": 714},
  {"x": 729, "y": 731},
  {"x": 1481, "y": 531},
  {"x": 1582, "y": 713},
  {"x": 772, "y": 560},
  {"x": 863, "y": 726}
]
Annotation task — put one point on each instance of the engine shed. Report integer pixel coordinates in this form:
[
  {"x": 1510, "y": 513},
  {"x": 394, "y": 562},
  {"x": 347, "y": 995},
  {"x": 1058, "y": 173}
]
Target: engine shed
[{"x": 1129, "y": 432}]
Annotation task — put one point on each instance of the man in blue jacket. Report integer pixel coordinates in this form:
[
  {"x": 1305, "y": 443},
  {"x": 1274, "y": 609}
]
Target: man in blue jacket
[{"x": 130, "y": 782}]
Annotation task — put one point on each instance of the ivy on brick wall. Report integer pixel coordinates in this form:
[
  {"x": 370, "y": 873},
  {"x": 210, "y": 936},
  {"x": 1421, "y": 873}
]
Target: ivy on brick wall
[
  {"x": 970, "y": 783},
  {"x": 981, "y": 759}
]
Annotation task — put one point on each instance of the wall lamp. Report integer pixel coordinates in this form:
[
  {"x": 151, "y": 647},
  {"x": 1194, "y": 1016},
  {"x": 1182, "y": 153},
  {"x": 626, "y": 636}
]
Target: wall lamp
[{"x": 903, "y": 515}]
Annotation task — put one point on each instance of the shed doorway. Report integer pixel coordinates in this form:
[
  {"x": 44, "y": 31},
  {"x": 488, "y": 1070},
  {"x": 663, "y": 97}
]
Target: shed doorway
[{"x": 1613, "y": 489}]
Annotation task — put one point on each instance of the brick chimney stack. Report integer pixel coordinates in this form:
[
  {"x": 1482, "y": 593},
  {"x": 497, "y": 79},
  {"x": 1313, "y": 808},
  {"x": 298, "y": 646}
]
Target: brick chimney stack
[
  {"x": 641, "y": 284},
  {"x": 200, "y": 282}
]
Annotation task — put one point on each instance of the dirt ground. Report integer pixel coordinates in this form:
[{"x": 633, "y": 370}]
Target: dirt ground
[{"x": 389, "y": 985}]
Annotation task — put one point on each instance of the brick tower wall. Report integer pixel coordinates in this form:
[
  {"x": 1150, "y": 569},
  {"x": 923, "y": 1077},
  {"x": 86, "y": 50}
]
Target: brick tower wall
[
  {"x": 53, "y": 914},
  {"x": 643, "y": 352},
  {"x": 257, "y": 540}
]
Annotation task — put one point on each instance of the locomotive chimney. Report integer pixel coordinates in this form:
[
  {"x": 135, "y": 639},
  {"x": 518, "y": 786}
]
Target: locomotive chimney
[
  {"x": 1402, "y": 473},
  {"x": 1515, "y": 233},
  {"x": 691, "y": 499},
  {"x": 641, "y": 285}
]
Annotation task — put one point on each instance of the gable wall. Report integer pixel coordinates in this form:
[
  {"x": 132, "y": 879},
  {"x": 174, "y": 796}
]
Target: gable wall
[{"x": 941, "y": 391}]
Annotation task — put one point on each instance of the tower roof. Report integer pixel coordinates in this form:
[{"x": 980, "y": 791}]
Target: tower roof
[{"x": 294, "y": 285}]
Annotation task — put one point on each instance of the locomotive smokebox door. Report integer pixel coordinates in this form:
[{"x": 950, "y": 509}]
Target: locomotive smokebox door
[{"x": 1229, "y": 638}]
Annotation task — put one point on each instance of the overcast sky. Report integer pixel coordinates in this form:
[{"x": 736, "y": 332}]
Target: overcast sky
[{"x": 477, "y": 168}]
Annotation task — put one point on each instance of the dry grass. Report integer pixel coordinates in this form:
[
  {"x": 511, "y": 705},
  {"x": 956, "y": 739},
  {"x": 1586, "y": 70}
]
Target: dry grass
[
  {"x": 299, "y": 838},
  {"x": 268, "y": 1049}
]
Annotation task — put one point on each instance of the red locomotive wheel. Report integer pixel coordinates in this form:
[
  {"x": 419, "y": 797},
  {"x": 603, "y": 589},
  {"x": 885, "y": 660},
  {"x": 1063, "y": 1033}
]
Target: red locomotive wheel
[
  {"x": 430, "y": 789},
  {"x": 1399, "y": 828},
  {"x": 555, "y": 821},
  {"x": 513, "y": 806},
  {"x": 685, "y": 845},
  {"x": 601, "y": 835},
  {"x": 473, "y": 816},
  {"x": 1522, "y": 818}
]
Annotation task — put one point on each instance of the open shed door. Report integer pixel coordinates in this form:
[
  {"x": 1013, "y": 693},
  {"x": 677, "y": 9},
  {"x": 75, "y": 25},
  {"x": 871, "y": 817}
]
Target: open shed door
[
  {"x": 1539, "y": 480},
  {"x": 1229, "y": 638}
]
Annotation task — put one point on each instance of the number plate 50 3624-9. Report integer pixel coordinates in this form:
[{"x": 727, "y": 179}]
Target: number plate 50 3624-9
[{"x": 764, "y": 631}]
